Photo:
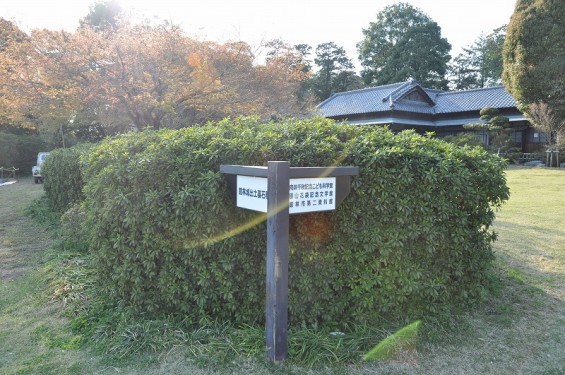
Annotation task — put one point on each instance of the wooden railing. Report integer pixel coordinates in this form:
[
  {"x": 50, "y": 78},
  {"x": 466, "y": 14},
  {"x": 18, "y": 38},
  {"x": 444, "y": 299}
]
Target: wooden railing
[
  {"x": 529, "y": 156},
  {"x": 10, "y": 172}
]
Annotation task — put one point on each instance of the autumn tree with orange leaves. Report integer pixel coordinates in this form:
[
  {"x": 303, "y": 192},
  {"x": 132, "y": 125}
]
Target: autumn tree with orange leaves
[
  {"x": 100, "y": 81},
  {"x": 18, "y": 78}
]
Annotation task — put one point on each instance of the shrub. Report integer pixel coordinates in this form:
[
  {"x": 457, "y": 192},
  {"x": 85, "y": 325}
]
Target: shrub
[
  {"x": 464, "y": 139},
  {"x": 73, "y": 234},
  {"x": 63, "y": 180},
  {"x": 413, "y": 235}
]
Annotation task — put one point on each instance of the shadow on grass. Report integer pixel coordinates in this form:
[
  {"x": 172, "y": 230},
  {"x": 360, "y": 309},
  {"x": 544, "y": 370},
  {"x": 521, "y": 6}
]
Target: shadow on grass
[
  {"x": 519, "y": 329},
  {"x": 541, "y": 230}
]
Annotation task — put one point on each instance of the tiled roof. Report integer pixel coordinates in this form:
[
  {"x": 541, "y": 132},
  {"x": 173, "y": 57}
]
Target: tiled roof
[
  {"x": 358, "y": 101},
  {"x": 411, "y": 106},
  {"x": 390, "y": 97},
  {"x": 474, "y": 100},
  {"x": 403, "y": 90}
]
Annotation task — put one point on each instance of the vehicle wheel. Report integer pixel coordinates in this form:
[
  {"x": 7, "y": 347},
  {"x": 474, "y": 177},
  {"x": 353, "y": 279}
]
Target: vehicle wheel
[{"x": 36, "y": 180}]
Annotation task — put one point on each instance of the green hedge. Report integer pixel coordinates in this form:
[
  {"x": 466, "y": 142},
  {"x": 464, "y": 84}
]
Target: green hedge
[
  {"x": 413, "y": 235},
  {"x": 62, "y": 176}
]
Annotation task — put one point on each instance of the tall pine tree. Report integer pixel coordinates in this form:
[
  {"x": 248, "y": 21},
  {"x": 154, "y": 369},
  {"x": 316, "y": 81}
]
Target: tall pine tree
[{"x": 480, "y": 65}]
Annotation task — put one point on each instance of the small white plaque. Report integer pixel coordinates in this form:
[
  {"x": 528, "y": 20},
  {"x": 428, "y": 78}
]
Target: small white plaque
[
  {"x": 311, "y": 195},
  {"x": 305, "y": 194},
  {"x": 252, "y": 193}
]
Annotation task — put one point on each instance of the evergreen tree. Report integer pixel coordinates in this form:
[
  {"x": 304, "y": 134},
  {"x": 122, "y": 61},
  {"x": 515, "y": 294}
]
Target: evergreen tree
[
  {"x": 404, "y": 43},
  {"x": 534, "y": 55},
  {"x": 480, "y": 65},
  {"x": 103, "y": 16},
  {"x": 335, "y": 72},
  {"x": 496, "y": 127}
]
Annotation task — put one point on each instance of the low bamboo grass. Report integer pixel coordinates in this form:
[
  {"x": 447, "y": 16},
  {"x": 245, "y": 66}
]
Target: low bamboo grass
[{"x": 401, "y": 339}]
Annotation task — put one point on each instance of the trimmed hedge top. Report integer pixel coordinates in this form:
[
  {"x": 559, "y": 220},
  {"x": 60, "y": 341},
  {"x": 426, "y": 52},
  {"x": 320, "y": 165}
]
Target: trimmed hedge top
[{"x": 412, "y": 236}]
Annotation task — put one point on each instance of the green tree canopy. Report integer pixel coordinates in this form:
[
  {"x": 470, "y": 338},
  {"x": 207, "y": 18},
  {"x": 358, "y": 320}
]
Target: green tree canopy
[
  {"x": 534, "y": 54},
  {"x": 496, "y": 127},
  {"x": 335, "y": 72},
  {"x": 103, "y": 15},
  {"x": 480, "y": 65},
  {"x": 404, "y": 43}
]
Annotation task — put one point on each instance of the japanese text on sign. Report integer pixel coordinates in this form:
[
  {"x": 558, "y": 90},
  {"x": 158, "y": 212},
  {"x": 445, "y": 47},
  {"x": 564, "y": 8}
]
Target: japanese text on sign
[{"x": 305, "y": 194}]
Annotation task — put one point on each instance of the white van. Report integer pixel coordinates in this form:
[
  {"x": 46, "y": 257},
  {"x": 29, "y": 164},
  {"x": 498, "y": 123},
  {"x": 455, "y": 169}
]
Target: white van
[{"x": 36, "y": 170}]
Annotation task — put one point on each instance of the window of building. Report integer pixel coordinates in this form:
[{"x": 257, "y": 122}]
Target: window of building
[
  {"x": 481, "y": 136},
  {"x": 535, "y": 136},
  {"x": 516, "y": 136}
]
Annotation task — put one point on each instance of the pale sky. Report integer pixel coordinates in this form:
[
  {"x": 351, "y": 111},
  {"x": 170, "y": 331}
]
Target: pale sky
[{"x": 296, "y": 21}]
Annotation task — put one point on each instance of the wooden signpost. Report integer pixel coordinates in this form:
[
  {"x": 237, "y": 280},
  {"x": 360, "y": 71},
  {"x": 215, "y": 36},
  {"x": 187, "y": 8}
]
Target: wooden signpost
[{"x": 280, "y": 190}]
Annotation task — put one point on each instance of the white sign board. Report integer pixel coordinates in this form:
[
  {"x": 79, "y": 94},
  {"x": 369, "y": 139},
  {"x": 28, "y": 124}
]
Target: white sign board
[
  {"x": 304, "y": 195},
  {"x": 252, "y": 193}
]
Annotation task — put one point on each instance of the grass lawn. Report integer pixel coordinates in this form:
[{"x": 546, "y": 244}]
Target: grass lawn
[
  {"x": 519, "y": 329},
  {"x": 531, "y": 225},
  {"x": 29, "y": 322}
]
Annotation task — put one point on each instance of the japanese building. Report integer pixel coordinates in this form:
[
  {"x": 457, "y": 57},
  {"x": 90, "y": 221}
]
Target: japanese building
[{"x": 407, "y": 105}]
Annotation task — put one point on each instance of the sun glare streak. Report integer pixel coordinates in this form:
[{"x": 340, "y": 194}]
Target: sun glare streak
[
  {"x": 253, "y": 222},
  {"x": 262, "y": 217}
]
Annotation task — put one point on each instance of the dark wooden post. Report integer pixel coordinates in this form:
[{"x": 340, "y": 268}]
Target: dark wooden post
[
  {"x": 277, "y": 260},
  {"x": 278, "y": 175}
]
